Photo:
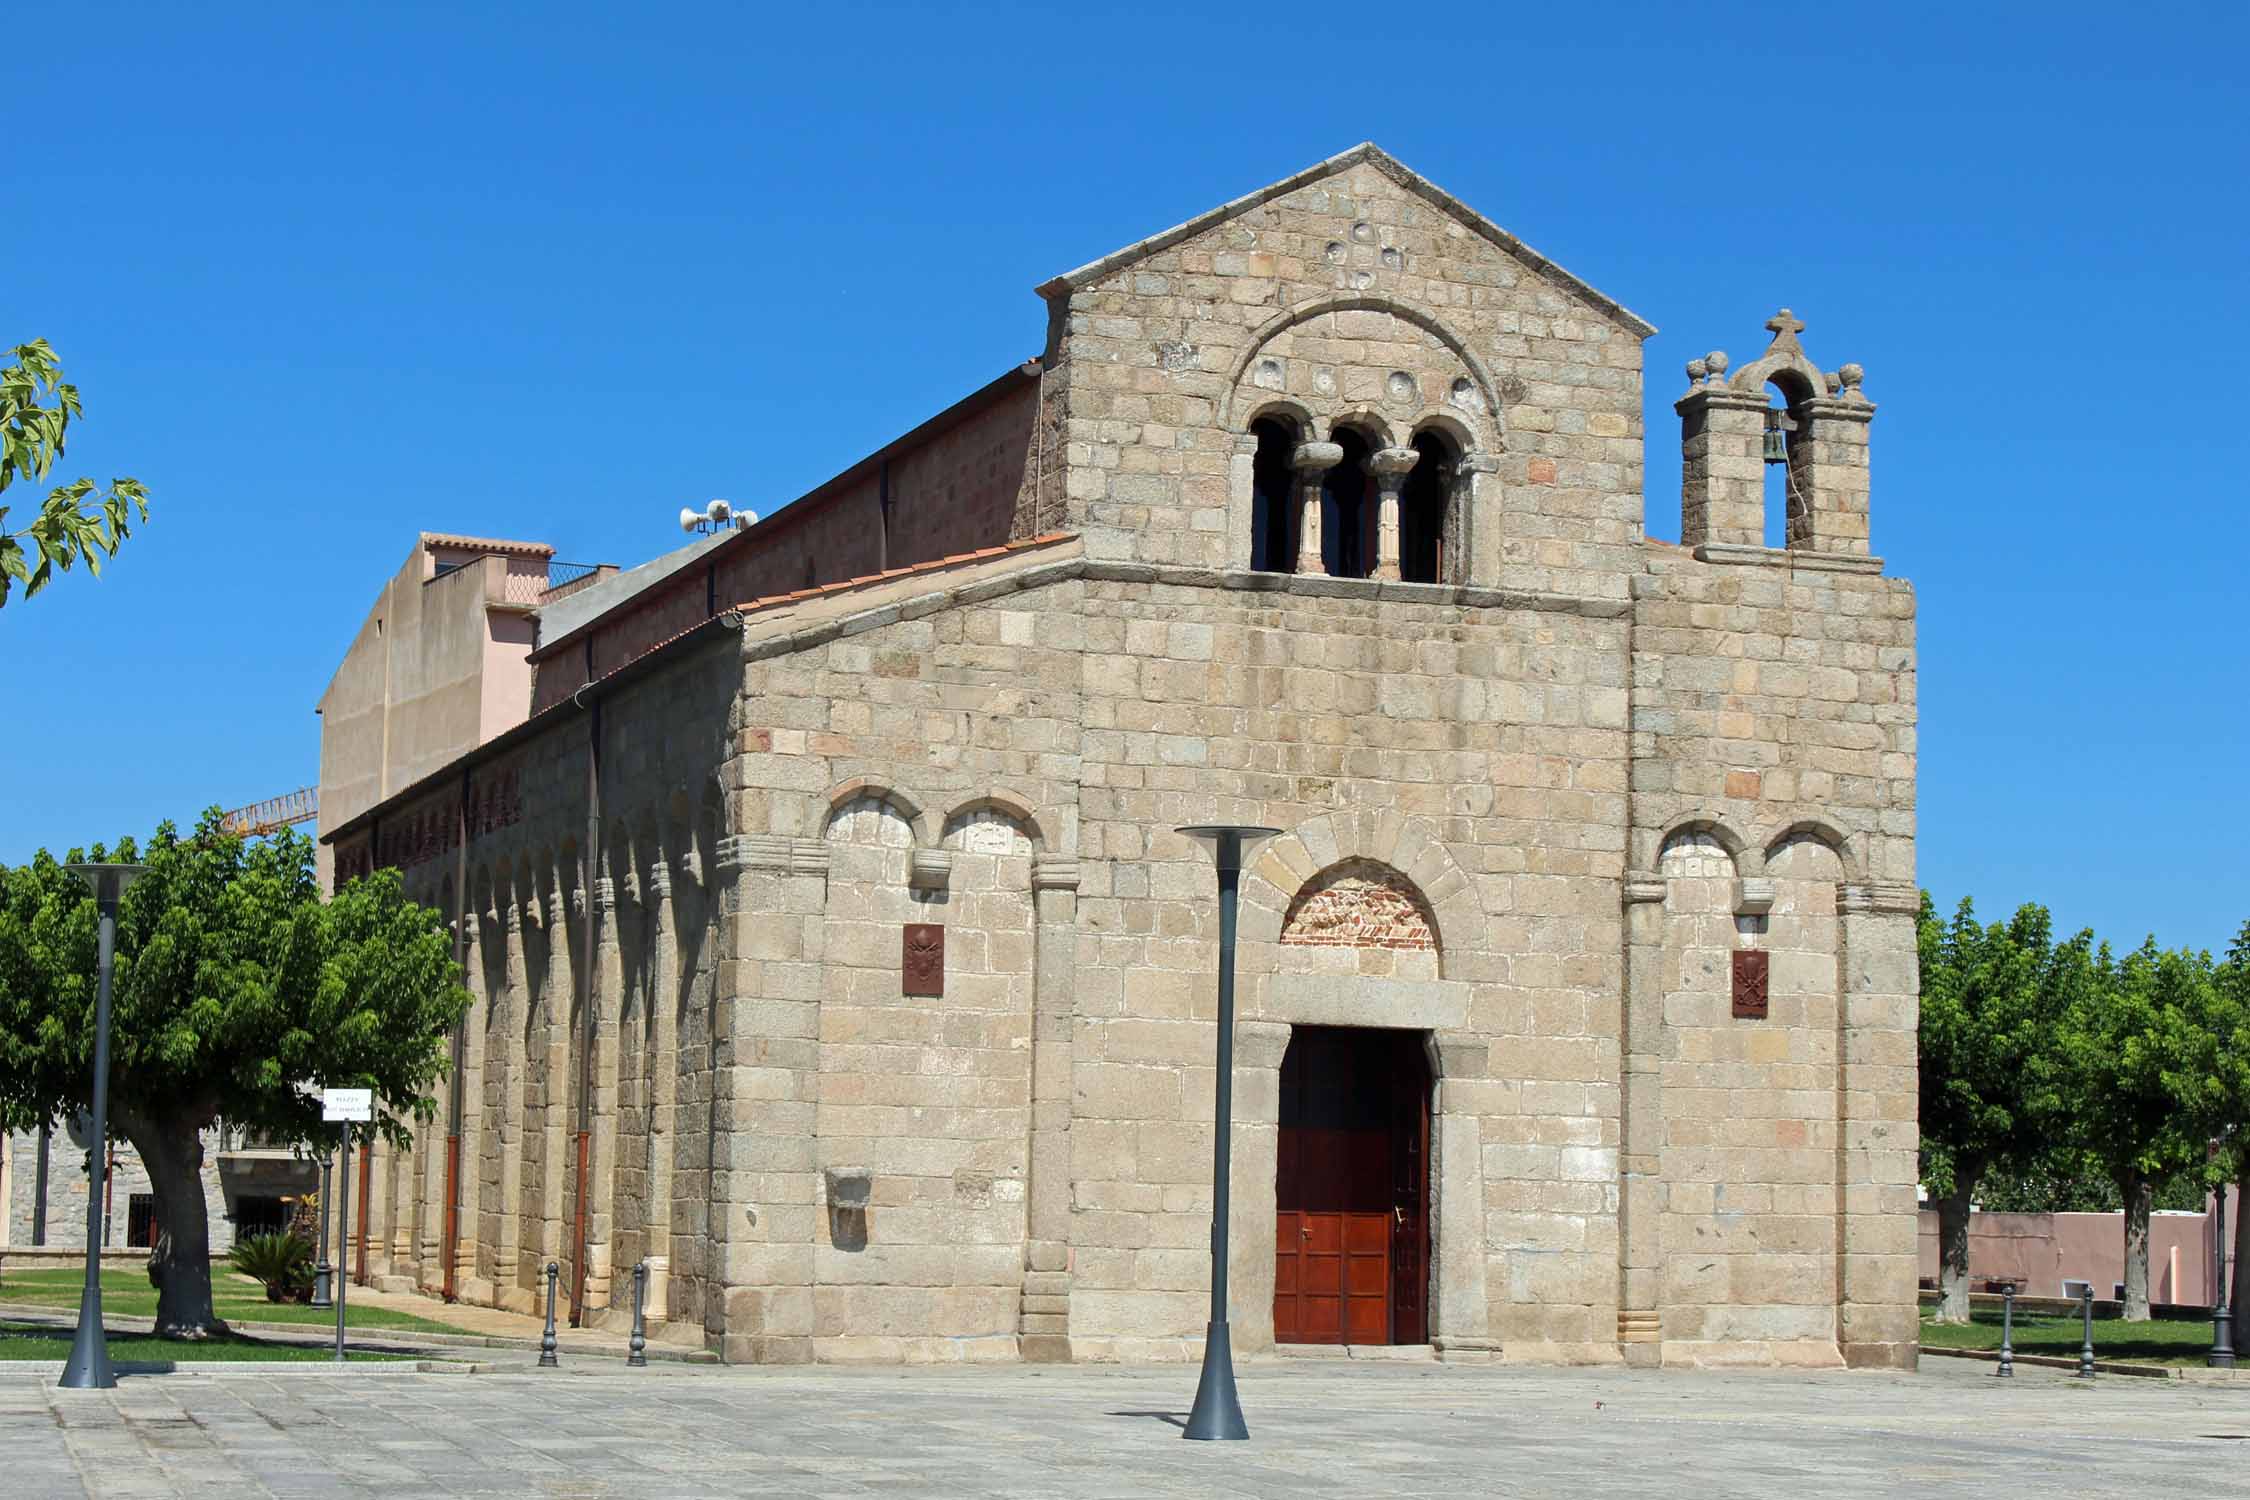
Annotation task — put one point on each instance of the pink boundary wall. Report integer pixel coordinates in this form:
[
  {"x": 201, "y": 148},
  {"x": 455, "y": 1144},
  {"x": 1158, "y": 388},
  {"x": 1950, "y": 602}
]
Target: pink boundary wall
[{"x": 2041, "y": 1251}]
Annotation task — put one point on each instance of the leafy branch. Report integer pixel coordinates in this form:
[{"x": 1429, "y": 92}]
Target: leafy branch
[{"x": 77, "y": 521}]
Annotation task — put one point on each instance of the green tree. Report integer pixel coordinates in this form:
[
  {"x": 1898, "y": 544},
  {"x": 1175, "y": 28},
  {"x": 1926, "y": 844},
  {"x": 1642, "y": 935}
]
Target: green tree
[
  {"x": 2138, "y": 1043},
  {"x": 235, "y": 983},
  {"x": 1990, "y": 1071},
  {"x": 78, "y": 520},
  {"x": 2224, "y": 1108}
]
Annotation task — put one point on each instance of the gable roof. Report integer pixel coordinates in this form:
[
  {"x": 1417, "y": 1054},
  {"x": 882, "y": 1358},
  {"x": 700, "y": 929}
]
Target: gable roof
[{"x": 1391, "y": 167}]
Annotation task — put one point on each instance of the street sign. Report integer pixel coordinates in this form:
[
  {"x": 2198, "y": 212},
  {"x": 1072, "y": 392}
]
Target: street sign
[{"x": 347, "y": 1104}]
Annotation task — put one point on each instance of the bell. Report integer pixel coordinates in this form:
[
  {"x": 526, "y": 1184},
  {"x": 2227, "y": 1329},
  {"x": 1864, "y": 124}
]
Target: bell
[{"x": 1777, "y": 446}]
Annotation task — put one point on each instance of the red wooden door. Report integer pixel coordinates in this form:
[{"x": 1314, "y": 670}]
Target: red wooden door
[{"x": 1351, "y": 1191}]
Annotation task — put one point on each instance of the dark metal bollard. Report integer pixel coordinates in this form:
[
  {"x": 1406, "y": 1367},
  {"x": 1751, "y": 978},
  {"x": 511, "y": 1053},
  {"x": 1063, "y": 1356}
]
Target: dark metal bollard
[
  {"x": 636, "y": 1356},
  {"x": 2221, "y": 1356},
  {"x": 547, "y": 1360},
  {"x": 2007, "y": 1330},
  {"x": 323, "y": 1271},
  {"x": 2086, "y": 1349}
]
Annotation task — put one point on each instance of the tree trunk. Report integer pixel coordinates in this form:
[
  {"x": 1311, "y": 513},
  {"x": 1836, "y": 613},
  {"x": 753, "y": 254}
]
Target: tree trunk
[
  {"x": 1953, "y": 1243},
  {"x": 2140, "y": 1196},
  {"x": 180, "y": 1258}
]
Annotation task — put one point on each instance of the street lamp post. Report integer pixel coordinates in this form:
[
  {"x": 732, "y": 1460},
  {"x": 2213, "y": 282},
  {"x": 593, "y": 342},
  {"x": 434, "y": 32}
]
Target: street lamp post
[
  {"x": 88, "y": 1368},
  {"x": 1217, "y": 1414}
]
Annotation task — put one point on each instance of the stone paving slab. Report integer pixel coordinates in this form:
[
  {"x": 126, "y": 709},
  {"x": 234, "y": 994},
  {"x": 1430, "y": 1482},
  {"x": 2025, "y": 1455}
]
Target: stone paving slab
[{"x": 1097, "y": 1432}]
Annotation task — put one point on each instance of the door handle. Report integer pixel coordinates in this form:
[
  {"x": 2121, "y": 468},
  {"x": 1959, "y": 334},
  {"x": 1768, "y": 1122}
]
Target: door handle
[{"x": 1401, "y": 1213}]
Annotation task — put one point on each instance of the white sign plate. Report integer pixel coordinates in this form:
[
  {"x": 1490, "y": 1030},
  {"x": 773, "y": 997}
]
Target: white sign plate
[{"x": 347, "y": 1104}]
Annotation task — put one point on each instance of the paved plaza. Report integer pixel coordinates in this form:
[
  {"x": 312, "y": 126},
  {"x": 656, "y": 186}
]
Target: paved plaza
[{"x": 590, "y": 1432}]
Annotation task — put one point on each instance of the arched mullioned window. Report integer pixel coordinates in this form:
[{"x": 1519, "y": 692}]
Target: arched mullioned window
[
  {"x": 1347, "y": 510},
  {"x": 1424, "y": 505},
  {"x": 1273, "y": 506}
]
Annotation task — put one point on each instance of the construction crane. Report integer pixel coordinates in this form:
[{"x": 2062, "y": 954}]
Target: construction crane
[{"x": 274, "y": 814}]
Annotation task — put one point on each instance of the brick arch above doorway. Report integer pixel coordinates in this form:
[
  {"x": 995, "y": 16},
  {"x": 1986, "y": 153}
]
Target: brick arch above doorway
[
  {"x": 1357, "y": 903},
  {"x": 1407, "y": 847}
]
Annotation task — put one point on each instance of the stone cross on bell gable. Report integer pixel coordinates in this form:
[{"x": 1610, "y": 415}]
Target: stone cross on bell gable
[{"x": 1786, "y": 326}]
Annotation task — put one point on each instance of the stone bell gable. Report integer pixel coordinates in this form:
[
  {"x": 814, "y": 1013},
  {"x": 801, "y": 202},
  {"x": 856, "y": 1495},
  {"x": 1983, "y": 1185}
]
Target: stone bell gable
[{"x": 1213, "y": 372}]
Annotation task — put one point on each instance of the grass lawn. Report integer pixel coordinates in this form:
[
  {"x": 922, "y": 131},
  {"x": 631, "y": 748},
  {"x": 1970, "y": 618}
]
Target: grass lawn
[
  {"x": 2168, "y": 1341},
  {"x": 126, "y": 1294},
  {"x": 20, "y": 1342}
]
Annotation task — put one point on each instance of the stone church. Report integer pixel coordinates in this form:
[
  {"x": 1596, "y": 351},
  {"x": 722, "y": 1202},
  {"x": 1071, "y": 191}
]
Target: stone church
[{"x": 834, "y": 951}]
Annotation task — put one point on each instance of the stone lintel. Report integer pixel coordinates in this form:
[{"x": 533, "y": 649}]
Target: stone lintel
[
  {"x": 1840, "y": 409},
  {"x": 1586, "y": 606},
  {"x": 1719, "y": 398},
  {"x": 1786, "y": 557},
  {"x": 1360, "y": 1000}
]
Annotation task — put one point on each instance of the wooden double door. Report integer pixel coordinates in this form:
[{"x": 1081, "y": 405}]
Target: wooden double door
[{"x": 1352, "y": 1246}]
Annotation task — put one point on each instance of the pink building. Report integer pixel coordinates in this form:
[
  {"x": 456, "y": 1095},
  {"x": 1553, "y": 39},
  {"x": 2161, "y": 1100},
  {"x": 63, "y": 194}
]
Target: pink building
[
  {"x": 2042, "y": 1252},
  {"x": 439, "y": 666}
]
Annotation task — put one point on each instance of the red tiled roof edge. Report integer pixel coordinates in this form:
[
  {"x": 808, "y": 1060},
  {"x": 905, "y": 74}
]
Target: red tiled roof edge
[
  {"x": 869, "y": 580},
  {"x": 455, "y": 542}
]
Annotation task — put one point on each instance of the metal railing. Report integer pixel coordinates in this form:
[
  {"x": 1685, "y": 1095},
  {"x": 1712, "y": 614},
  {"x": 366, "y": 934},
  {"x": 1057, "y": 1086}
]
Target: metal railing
[
  {"x": 569, "y": 578},
  {"x": 562, "y": 574}
]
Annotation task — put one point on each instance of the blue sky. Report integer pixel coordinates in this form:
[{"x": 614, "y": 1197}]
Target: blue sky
[{"x": 328, "y": 275}]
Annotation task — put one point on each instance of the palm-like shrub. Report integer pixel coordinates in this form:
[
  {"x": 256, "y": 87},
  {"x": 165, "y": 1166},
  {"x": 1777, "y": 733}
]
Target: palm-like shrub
[{"x": 281, "y": 1261}]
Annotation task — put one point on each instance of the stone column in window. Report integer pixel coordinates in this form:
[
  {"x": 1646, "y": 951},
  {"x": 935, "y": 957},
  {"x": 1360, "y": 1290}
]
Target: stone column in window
[
  {"x": 1390, "y": 466},
  {"x": 1312, "y": 461}
]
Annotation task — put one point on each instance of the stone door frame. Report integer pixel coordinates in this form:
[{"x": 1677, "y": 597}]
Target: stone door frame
[{"x": 1459, "y": 1315}]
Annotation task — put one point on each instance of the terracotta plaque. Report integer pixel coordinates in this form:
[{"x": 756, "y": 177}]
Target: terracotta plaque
[
  {"x": 924, "y": 965},
  {"x": 1749, "y": 984}
]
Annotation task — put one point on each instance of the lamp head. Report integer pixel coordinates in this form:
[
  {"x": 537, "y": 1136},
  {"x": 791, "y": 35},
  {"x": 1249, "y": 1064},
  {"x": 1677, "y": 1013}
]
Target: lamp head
[
  {"x": 107, "y": 881},
  {"x": 1228, "y": 842}
]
